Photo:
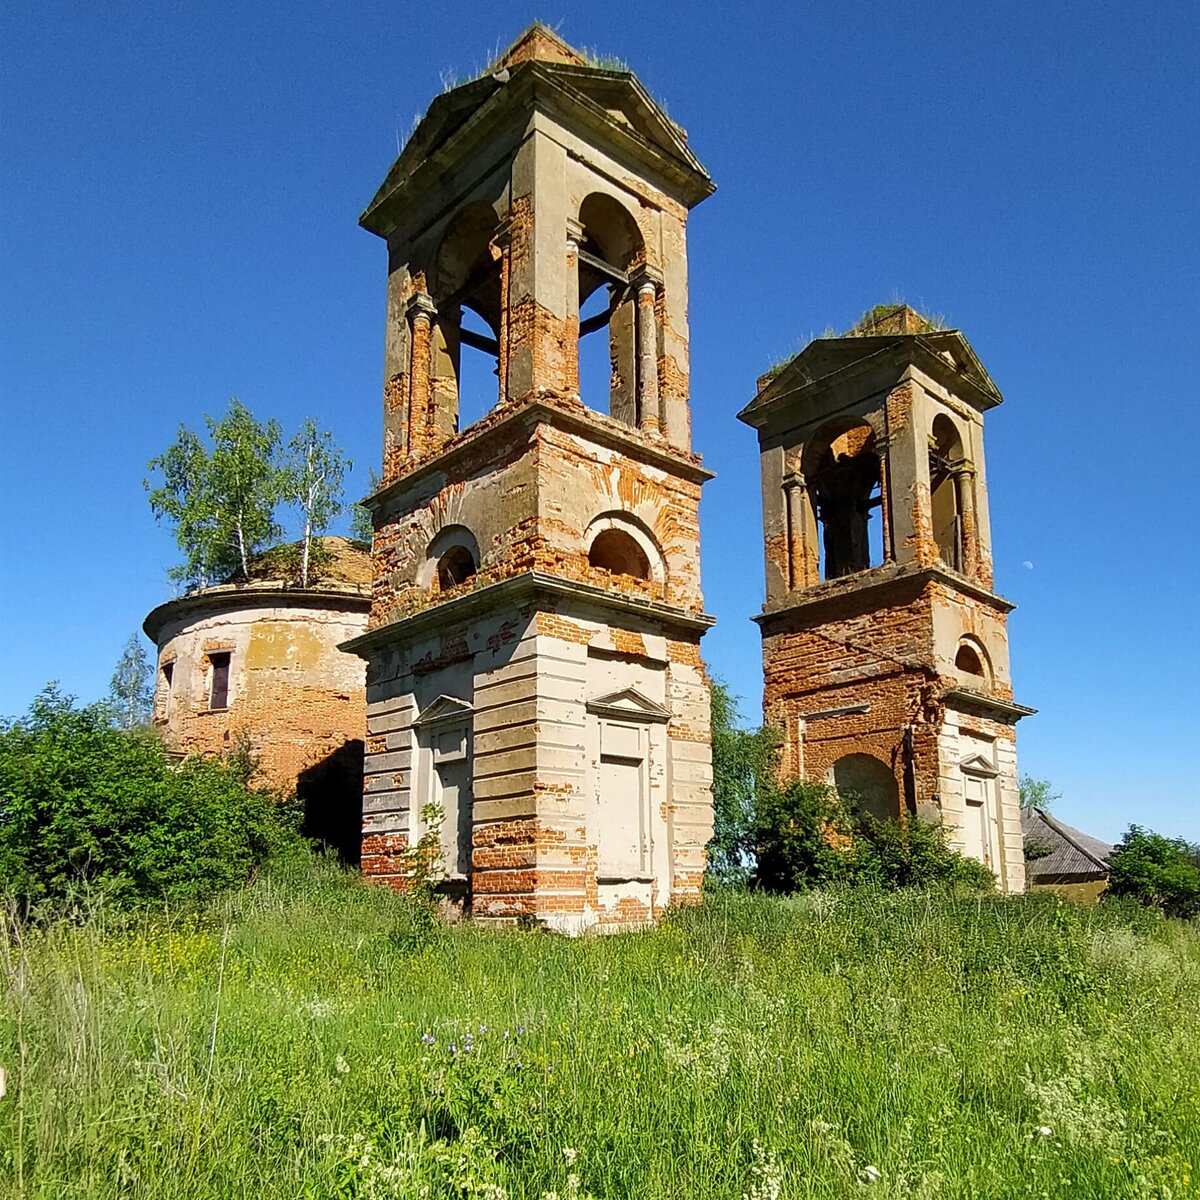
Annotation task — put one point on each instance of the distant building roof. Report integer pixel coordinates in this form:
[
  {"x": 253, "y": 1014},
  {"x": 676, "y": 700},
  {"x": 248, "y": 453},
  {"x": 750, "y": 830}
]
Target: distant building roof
[{"x": 1069, "y": 855}]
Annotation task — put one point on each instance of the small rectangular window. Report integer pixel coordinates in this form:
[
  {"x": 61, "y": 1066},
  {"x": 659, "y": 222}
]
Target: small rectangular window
[
  {"x": 218, "y": 694},
  {"x": 164, "y": 695}
]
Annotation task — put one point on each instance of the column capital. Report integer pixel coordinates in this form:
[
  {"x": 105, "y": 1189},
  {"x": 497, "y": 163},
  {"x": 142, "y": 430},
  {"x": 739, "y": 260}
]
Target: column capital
[
  {"x": 419, "y": 306},
  {"x": 794, "y": 481},
  {"x": 575, "y": 232},
  {"x": 645, "y": 279}
]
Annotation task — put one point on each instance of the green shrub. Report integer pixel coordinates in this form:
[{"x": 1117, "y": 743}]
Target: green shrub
[
  {"x": 85, "y": 807},
  {"x": 806, "y": 837},
  {"x": 1159, "y": 872}
]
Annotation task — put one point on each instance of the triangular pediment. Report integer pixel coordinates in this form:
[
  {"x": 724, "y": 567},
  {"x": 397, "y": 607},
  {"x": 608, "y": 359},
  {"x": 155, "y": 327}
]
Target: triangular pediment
[
  {"x": 445, "y": 708},
  {"x": 579, "y": 92},
  {"x": 976, "y": 764},
  {"x": 630, "y": 704},
  {"x": 945, "y": 353}
]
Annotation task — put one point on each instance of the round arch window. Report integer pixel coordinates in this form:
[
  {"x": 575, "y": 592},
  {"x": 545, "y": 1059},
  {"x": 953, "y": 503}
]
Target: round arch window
[{"x": 616, "y": 552}]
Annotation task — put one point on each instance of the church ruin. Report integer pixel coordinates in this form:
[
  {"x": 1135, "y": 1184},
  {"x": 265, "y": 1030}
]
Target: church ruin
[
  {"x": 534, "y": 681},
  {"x": 885, "y": 646}
]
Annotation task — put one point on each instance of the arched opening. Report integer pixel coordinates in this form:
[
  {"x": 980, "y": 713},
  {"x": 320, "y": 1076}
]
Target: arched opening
[
  {"x": 868, "y": 785},
  {"x": 617, "y": 552},
  {"x": 456, "y": 566},
  {"x": 451, "y": 559},
  {"x": 971, "y": 660},
  {"x": 967, "y": 660},
  {"x": 610, "y": 245},
  {"x": 466, "y": 344},
  {"x": 945, "y": 461},
  {"x": 844, "y": 479}
]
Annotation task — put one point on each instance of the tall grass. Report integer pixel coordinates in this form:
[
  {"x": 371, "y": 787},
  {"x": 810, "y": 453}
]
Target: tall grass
[{"x": 315, "y": 1038}]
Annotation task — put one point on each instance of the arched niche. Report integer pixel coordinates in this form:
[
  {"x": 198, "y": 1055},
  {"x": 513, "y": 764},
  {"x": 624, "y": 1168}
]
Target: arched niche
[
  {"x": 451, "y": 559},
  {"x": 621, "y": 545},
  {"x": 868, "y": 784},
  {"x": 972, "y": 663}
]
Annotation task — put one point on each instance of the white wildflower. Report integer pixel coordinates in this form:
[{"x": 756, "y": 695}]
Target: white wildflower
[
  {"x": 871, "y": 1174},
  {"x": 3, "y": 1083},
  {"x": 570, "y": 1154},
  {"x": 341, "y": 1065}
]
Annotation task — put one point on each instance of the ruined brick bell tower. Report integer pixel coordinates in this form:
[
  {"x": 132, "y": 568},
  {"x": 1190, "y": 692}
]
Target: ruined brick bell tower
[
  {"x": 885, "y": 647},
  {"x": 533, "y": 645}
]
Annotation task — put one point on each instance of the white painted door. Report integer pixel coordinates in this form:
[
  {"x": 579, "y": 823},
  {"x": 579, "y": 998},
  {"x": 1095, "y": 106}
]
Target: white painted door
[
  {"x": 452, "y": 790},
  {"x": 977, "y": 819}
]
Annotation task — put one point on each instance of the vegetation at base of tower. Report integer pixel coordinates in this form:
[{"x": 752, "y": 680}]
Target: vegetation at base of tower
[
  {"x": 1036, "y": 793},
  {"x": 222, "y": 494},
  {"x": 1156, "y": 871},
  {"x": 87, "y": 809},
  {"x": 131, "y": 689},
  {"x": 742, "y": 760},
  {"x": 804, "y": 835},
  {"x": 312, "y": 1037},
  {"x": 807, "y": 836}
]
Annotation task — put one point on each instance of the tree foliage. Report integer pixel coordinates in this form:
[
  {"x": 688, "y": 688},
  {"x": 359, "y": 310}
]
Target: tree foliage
[
  {"x": 312, "y": 481},
  {"x": 362, "y": 525},
  {"x": 1036, "y": 793},
  {"x": 221, "y": 497},
  {"x": 84, "y": 806},
  {"x": 131, "y": 689},
  {"x": 1157, "y": 871},
  {"x": 742, "y": 759}
]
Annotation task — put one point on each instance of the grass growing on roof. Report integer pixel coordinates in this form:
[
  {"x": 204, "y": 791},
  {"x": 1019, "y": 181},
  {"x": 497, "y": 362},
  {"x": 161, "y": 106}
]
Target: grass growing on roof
[{"x": 312, "y": 1037}]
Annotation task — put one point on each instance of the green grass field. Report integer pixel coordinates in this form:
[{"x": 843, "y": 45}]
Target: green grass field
[{"x": 312, "y": 1037}]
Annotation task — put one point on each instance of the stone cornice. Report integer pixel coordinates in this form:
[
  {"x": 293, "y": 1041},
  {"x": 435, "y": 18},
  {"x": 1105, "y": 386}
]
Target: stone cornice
[
  {"x": 832, "y": 592},
  {"x": 229, "y": 597},
  {"x": 517, "y": 590},
  {"x": 596, "y": 426},
  {"x": 1008, "y": 710}
]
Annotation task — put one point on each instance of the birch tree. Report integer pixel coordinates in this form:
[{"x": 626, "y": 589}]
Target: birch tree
[
  {"x": 312, "y": 481},
  {"x": 221, "y": 500},
  {"x": 131, "y": 690}
]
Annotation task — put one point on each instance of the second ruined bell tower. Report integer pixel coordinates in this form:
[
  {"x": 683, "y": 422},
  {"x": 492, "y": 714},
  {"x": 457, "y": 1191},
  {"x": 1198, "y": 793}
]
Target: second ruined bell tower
[
  {"x": 534, "y": 681},
  {"x": 885, "y": 645}
]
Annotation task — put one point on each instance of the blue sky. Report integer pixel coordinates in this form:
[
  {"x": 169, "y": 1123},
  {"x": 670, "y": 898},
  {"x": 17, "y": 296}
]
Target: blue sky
[{"x": 178, "y": 208}]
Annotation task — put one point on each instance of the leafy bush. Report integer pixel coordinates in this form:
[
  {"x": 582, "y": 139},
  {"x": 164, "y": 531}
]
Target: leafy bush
[
  {"x": 1158, "y": 872},
  {"x": 86, "y": 806},
  {"x": 806, "y": 837}
]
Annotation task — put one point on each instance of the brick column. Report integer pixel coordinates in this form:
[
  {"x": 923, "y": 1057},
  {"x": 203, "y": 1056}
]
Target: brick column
[
  {"x": 647, "y": 283},
  {"x": 885, "y": 506},
  {"x": 421, "y": 311},
  {"x": 964, "y": 496},
  {"x": 797, "y": 550},
  {"x": 575, "y": 233}
]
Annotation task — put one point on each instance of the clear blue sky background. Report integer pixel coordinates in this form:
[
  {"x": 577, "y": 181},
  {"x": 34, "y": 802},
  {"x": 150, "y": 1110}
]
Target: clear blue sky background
[{"x": 178, "y": 206}]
